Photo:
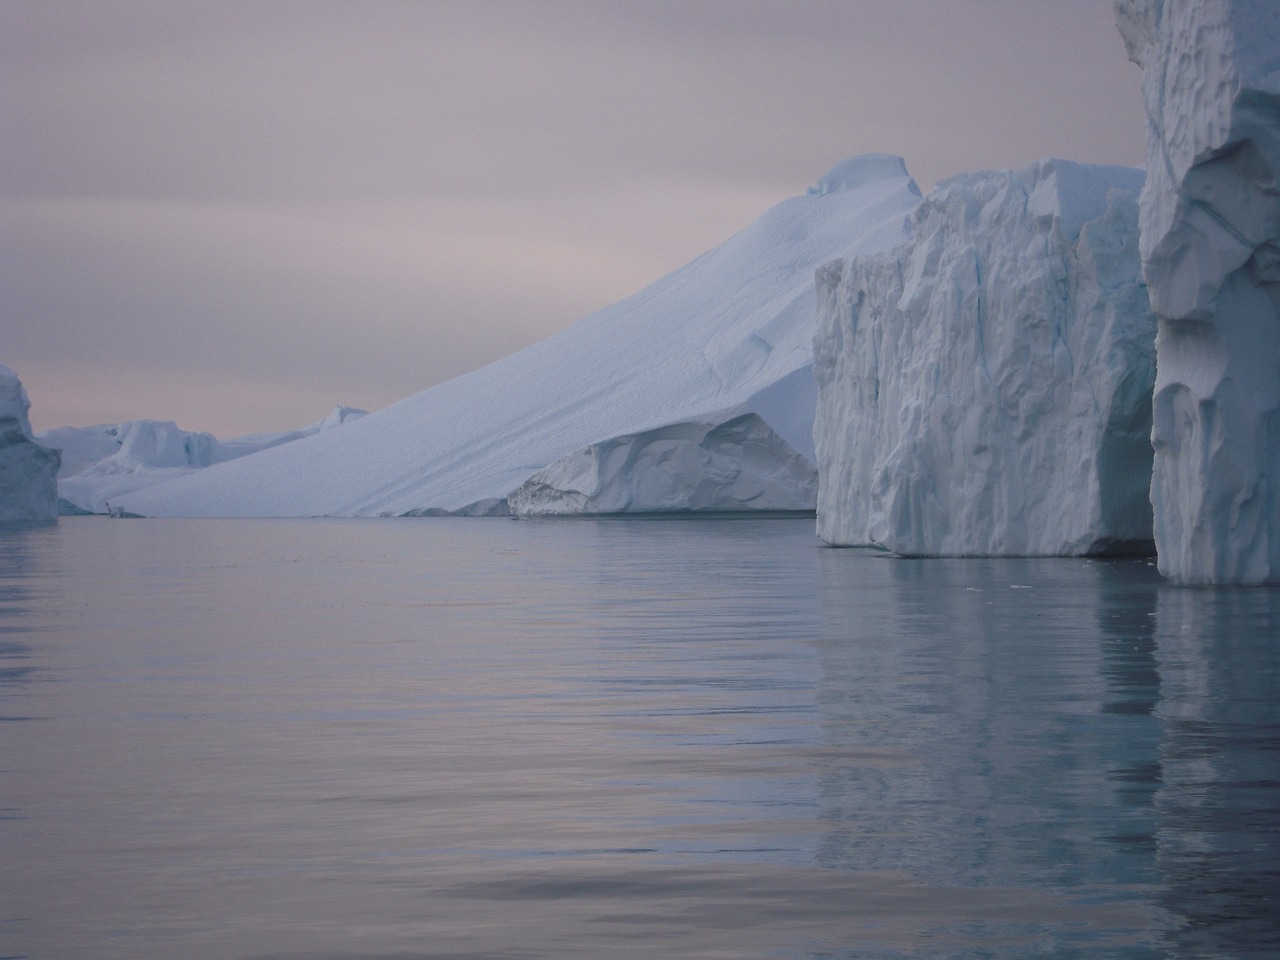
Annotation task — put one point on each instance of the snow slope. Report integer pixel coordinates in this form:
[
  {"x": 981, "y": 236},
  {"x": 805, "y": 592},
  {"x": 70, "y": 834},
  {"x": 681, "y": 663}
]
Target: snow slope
[
  {"x": 104, "y": 462},
  {"x": 1210, "y": 218},
  {"x": 726, "y": 335},
  {"x": 28, "y": 491},
  {"x": 985, "y": 389}
]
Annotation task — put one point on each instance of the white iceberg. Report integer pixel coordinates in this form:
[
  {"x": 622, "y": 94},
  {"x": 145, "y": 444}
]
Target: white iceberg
[
  {"x": 28, "y": 470},
  {"x": 726, "y": 335},
  {"x": 985, "y": 389},
  {"x": 1210, "y": 218},
  {"x": 102, "y": 463}
]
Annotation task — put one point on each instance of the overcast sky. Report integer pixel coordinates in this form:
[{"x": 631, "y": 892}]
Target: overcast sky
[{"x": 237, "y": 214}]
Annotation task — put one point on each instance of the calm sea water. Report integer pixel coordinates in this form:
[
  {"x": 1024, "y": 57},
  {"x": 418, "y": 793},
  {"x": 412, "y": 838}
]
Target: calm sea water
[{"x": 371, "y": 740}]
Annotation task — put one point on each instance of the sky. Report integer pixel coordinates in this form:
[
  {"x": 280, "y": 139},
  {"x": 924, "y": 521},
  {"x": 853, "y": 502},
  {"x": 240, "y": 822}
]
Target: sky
[{"x": 236, "y": 215}]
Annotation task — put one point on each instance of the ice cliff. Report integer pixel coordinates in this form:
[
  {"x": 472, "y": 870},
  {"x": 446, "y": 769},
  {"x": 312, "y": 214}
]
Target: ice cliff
[
  {"x": 985, "y": 388},
  {"x": 28, "y": 471},
  {"x": 659, "y": 382},
  {"x": 1210, "y": 238},
  {"x": 102, "y": 463}
]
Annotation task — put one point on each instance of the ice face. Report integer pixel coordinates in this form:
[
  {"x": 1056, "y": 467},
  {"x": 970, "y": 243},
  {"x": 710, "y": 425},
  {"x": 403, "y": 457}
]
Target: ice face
[
  {"x": 1210, "y": 219},
  {"x": 985, "y": 389},
  {"x": 732, "y": 330},
  {"x": 733, "y": 463},
  {"x": 28, "y": 471}
]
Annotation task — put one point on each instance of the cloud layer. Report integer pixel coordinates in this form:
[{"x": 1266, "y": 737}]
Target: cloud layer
[{"x": 237, "y": 214}]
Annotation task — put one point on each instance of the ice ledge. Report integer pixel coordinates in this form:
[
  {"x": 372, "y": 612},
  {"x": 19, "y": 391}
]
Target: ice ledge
[{"x": 721, "y": 464}]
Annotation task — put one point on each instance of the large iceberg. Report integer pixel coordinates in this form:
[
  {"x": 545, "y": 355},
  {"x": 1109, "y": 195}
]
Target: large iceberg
[
  {"x": 1210, "y": 217},
  {"x": 28, "y": 471},
  {"x": 726, "y": 336},
  {"x": 103, "y": 462},
  {"x": 985, "y": 388}
]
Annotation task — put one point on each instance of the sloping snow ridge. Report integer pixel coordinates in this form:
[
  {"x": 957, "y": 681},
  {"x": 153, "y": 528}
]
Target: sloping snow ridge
[
  {"x": 985, "y": 388},
  {"x": 726, "y": 335},
  {"x": 102, "y": 463},
  {"x": 28, "y": 471},
  {"x": 1210, "y": 217}
]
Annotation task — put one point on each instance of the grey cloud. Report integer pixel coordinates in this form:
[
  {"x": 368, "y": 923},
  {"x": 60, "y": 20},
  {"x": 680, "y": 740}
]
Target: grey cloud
[
  {"x": 305, "y": 100},
  {"x": 376, "y": 196}
]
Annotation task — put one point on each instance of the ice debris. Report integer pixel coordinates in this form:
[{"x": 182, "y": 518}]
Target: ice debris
[{"x": 727, "y": 464}]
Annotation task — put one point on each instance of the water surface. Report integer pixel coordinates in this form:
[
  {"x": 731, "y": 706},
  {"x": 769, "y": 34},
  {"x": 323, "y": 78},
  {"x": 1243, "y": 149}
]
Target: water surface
[{"x": 368, "y": 740}]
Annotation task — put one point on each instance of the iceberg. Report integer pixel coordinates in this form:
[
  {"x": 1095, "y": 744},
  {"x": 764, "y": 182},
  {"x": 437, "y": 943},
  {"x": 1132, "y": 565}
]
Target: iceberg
[
  {"x": 725, "y": 336},
  {"x": 28, "y": 470},
  {"x": 985, "y": 388},
  {"x": 1210, "y": 240},
  {"x": 103, "y": 462}
]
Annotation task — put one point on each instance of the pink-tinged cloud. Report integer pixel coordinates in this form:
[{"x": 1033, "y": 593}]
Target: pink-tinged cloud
[{"x": 293, "y": 201}]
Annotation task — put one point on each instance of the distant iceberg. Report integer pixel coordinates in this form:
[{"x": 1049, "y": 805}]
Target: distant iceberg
[
  {"x": 726, "y": 336},
  {"x": 985, "y": 388},
  {"x": 28, "y": 470},
  {"x": 102, "y": 463}
]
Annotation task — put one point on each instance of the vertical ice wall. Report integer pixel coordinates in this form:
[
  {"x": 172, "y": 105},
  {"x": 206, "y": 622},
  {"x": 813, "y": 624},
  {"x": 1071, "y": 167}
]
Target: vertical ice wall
[
  {"x": 985, "y": 389},
  {"x": 28, "y": 471},
  {"x": 1210, "y": 240}
]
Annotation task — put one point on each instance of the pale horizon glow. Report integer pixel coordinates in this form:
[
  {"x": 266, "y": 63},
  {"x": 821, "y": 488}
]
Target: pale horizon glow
[{"x": 237, "y": 215}]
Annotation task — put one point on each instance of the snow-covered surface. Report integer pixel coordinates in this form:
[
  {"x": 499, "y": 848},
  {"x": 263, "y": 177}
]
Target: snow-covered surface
[
  {"x": 28, "y": 471},
  {"x": 733, "y": 464},
  {"x": 102, "y": 463},
  {"x": 731, "y": 330},
  {"x": 985, "y": 389},
  {"x": 1210, "y": 216}
]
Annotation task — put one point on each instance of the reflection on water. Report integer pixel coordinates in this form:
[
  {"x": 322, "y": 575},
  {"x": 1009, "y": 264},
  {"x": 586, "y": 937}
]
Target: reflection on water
[
  {"x": 1218, "y": 833},
  {"x": 466, "y": 738},
  {"x": 993, "y": 679},
  {"x": 20, "y": 546}
]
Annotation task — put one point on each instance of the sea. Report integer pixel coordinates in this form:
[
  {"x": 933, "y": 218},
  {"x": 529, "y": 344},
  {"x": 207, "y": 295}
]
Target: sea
[{"x": 491, "y": 739}]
